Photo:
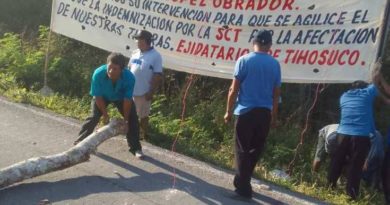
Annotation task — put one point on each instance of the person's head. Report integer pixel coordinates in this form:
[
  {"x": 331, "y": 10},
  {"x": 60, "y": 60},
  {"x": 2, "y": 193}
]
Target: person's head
[
  {"x": 116, "y": 62},
  {"x": 144, "y": 39},
  {"x": 359, "y": 84},
  {"x": 262, "y": 40}
]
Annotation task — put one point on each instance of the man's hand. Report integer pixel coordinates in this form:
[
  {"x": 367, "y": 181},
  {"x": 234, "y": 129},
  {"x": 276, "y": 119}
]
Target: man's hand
[
  {"x": 231, "y": 99},
  {"x": 316, "y": 165},
  {"x": 106, "y": 119},
  {"x": 101, "y": 104},
  {"x": 154, "y": 83},
  {"x": 149, "y": 96},
  {"x": 365, "y": 166},
  {"x": 227, "y": 117}
]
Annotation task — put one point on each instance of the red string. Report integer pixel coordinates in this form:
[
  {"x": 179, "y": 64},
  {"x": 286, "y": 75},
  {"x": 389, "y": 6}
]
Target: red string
[
  {"x": 189, "y": 82},
  {"x": 302, "y": 136}
]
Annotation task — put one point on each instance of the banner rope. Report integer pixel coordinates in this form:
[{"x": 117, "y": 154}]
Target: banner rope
[
  {"x": 302, "y": 135},
  {"x": 190, "y": 81}
]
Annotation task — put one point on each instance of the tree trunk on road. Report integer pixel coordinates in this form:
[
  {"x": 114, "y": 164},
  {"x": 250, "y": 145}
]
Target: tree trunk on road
[{"x": 80, "y": 153}]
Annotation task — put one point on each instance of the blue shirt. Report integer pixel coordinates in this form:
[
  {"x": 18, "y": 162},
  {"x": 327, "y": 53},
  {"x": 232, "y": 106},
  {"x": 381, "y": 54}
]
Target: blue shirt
[
  {"x": 376, "y": 150},
  {"x": 259, "y": 74},
  {"x": 102, "y": 85},
  {"x": 357, "y": 117}
]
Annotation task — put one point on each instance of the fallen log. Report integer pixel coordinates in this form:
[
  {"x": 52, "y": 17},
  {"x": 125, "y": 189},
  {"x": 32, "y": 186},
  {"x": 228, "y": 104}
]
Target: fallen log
[{"x": 80, "y": 153}]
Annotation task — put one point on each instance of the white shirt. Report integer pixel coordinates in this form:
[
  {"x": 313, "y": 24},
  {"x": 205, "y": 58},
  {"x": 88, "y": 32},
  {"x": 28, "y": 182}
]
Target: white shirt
[
  {"x": 143, "y": 65},
  {"x": 329, "y": 134}
]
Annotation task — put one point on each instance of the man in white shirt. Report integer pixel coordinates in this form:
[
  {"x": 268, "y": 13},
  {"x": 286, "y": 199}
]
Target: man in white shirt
[
  {"x": 146, "y": 65},
  {"x": 327, "y": 143}
]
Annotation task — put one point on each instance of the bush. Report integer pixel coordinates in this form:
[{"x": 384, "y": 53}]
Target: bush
[{"x": 70, "y": 68}]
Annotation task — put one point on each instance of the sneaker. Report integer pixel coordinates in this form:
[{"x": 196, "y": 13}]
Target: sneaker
[
  {"x": 237, "y": 197},
  {"x": 245, "y": 195},
  {"x": 139, "y": 154}
]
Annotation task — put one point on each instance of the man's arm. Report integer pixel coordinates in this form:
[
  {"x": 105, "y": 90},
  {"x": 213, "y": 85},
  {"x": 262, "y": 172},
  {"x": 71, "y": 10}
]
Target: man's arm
[
  {"x": 154, "y": 83},
  {"x": 320, "y": 151},
  {"x": 383, "y": 87},
  {"x": 275, "y": 106},
  {"x": 102, "y": 108},
  {"x": 157, "y": 77},
  {"x": 232, "y": 97},
  {"x": 380, "y": 83},
  {"x": 128, "y": 96},
  {"x": 376, "y": 150},
  {"x": 97, "y": 93},
  {"x": 126, "y": 109}
]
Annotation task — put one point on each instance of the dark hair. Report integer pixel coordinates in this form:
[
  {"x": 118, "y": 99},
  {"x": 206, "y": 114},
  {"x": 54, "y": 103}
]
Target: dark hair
[
  {"x": 118, "y": 59},
  {"x": 359, "y": 84},
  {"x": 149, "y": 41},
  {"x": 263, "y": 37},
  {"x": 145, "y": 35}
]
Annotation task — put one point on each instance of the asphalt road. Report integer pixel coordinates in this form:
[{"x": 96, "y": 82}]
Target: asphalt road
[{"x": 113, "y": 175}]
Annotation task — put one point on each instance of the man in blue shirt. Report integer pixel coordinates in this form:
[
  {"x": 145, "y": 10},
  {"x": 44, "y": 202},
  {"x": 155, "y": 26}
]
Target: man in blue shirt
[
  {"x": 356, "y": 124},
  {"x": 373, "y": 164},
  {"x": 255, "y": 90},
  {"x": 113, "y": 83}
]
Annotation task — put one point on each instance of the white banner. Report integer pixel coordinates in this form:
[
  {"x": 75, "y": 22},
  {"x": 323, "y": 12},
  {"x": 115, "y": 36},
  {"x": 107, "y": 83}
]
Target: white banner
[{"x": 315, "y": 41}]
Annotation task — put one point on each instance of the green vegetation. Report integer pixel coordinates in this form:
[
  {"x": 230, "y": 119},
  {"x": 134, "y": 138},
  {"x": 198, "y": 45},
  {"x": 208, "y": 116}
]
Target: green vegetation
[{"x": 202, "y": 134}]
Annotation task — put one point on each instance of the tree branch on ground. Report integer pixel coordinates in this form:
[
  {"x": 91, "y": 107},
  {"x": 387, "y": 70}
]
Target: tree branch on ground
[{"x": 80, "y": 153}]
